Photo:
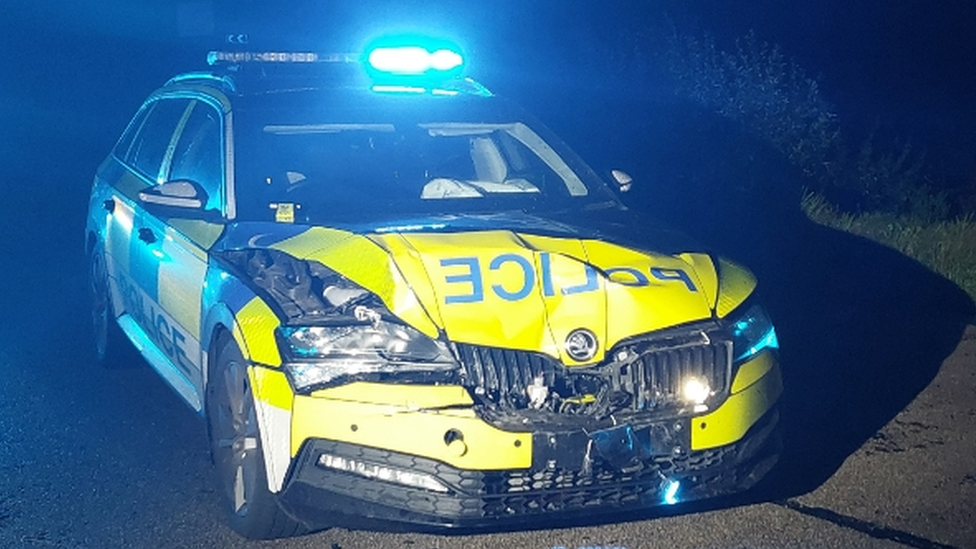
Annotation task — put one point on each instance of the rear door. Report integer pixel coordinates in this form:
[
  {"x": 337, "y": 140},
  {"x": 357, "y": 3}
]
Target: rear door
[{"x": 141, "y": 156}]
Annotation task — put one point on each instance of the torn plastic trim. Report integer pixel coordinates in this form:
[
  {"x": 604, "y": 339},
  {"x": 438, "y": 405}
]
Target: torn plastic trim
[
  {"x": 642, "y": 380},
  {"x": 304, "y": 292}
]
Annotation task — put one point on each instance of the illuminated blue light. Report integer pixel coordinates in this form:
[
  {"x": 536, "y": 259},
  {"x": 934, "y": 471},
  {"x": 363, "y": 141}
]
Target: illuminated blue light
[
  {"x": 413, "y": 60},
  {"x": 753, "y": 333},
  {"x": 671, "y": 491},
  {"x": 767, "y": 341}
]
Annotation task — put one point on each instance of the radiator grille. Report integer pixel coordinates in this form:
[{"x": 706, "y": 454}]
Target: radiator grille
[{"x": 650, "y": 372}]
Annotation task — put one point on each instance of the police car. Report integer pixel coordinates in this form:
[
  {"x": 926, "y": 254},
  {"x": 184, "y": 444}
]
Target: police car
[{"x": 395, "y": 296}]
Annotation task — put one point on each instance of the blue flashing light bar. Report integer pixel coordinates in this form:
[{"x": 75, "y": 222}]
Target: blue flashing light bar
[
  {"x": 413, "y": 60},
  {"x": 411, "y": 56}
]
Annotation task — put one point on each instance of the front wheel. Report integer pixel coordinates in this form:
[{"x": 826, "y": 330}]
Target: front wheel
[{"x": 235, "y": 444}]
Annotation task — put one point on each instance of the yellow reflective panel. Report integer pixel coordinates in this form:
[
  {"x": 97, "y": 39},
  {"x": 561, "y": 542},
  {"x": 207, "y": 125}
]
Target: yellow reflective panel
[
  {"x": 273, "y": 407},
  {"x": 271, "y": 387},
  {"x": 130, "y": 184},
  {"x": 751, "y": 371},
  {"x": 254, "y": 332},
  {"x": 735, "y": 285},
  {"x": 201, "y": 233},
  {"x": 575, "y": 297},
  {"x": 530, "y": 292},
  {"x": 117, "y": 237},
  {"x": 180, "y": 281},
  {"x": 737, "y": 414},
  {"x": 408, "y": 396},
  {"x": 647, "y": 292},
  {"x": 410, "y": 264},
  {"x": 707, "y": 276},
  {"x": 486, "y": 288},
  {"x": 419, "y": 433},
  {"x": 365, "y": 263}
]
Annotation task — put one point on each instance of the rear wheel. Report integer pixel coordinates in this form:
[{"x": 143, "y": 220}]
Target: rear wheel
[
  {"x": 235, "y": 443},
  {"x": 112, "y": 348}
]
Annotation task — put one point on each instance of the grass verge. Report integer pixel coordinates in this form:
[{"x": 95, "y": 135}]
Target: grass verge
[{"x": 946, "y": 247}]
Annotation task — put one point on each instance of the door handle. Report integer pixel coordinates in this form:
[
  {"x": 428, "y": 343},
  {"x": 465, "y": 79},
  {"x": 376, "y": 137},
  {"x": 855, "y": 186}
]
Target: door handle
[
  {"x": 109, "y": 205},
  {"x": 147, "y": 235}
]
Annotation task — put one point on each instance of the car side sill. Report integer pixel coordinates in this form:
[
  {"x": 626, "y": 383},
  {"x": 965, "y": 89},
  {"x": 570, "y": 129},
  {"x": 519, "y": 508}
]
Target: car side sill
[{"x": 164, "y": 367}]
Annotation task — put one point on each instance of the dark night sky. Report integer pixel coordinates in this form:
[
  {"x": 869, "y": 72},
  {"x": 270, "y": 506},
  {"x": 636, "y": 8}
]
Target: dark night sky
[{"x": 909, "y": 65}]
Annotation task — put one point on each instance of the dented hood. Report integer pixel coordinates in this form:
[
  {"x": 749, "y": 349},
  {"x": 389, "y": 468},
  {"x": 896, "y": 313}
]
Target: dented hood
[
  {"x": 522, "y": 291},
  {"x": 517, "y": 288}
]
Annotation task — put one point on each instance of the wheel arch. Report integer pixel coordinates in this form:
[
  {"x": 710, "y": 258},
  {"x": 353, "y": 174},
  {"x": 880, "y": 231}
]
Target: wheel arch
[{"x": 219, "y": 323}]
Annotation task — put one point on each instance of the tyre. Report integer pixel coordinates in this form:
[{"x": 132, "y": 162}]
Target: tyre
[
  {"x": 235, "y": 444},
  {"x": 112, "y": 348}
]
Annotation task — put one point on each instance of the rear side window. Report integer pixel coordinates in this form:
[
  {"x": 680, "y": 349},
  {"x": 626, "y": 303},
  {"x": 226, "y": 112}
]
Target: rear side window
[
  {"x": 198, "y": 155},
  {"x": 154, "y": 137}
]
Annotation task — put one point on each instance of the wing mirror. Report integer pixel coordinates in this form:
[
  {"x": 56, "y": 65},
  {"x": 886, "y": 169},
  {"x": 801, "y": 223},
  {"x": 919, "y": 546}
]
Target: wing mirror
[
  {"x": 177, "y": 198},
  {"x": 622, "y": 179},
  {"x": 181, "y": 194}
]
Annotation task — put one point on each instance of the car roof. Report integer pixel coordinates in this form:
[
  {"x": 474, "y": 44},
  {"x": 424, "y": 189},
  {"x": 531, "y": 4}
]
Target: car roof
[
  {"x": 251, "y": 75},
  {"x": 341, "y": 87}
]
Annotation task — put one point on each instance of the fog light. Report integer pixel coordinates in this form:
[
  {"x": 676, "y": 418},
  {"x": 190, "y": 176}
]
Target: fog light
[
  {"x": 381, "y": 472},
  {"x": 695, "y": 390}
]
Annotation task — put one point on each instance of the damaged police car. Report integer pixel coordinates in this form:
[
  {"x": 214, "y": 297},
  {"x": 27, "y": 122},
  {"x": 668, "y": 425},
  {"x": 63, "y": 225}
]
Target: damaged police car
[{"x": 393, "y": 295}]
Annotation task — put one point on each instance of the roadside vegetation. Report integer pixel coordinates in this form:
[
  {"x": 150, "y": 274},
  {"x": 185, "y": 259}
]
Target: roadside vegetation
[
  {"x": 947, "y": 247},
  {"x": 881, "y": 189}
]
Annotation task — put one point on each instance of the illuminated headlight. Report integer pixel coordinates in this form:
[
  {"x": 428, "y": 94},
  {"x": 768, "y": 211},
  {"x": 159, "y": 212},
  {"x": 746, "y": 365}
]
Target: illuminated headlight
[
  {"x": 695, "y": 390},
  {"x": 320, "y": 354},
  {"x": 752, "y": 333},
  {"x": 381, "y": 472}
]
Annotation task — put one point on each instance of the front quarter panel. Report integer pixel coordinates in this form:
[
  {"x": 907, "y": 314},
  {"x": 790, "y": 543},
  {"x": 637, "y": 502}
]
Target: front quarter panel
[{"x": 735, "y": 284}]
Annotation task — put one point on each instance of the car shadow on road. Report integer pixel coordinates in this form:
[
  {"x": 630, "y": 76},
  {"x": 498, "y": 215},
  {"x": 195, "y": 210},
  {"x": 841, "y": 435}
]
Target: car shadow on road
[{"x": 863, "y": 329}]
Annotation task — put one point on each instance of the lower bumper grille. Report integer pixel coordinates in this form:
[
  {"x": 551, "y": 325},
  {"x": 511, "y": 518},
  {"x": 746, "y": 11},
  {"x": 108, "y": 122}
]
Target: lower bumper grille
[{"x": 482, "y": 497}]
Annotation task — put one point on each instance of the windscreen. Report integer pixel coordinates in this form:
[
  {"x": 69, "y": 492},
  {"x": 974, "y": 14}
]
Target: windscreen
[{"x": 355, "y": 171}]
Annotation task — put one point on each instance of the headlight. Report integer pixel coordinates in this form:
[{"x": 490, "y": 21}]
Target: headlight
[
  {"x": 319, "y": 354},
  {"x": 752, "y": 332}
]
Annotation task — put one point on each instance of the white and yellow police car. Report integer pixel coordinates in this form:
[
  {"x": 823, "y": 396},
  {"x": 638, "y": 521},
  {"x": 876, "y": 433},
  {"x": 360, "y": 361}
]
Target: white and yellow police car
[{"x": 393, "y": 295}]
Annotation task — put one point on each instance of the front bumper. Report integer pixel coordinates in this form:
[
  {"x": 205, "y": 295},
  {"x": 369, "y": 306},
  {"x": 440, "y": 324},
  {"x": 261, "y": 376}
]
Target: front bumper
[{"x": 321, "y": 496}]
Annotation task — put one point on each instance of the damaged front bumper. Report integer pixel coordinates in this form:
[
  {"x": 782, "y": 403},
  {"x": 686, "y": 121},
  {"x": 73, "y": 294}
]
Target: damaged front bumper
[
  {"x": 323, "y": 495},
  {"x": 568, "y": 472}
]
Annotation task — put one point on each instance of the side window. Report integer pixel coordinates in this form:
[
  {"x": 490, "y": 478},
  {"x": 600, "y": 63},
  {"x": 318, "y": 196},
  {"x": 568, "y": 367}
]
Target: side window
[
  {"x": 155, "y": 137},
  {"x": 198, "y": 155},
  {"x": 134, "y": 127}
]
